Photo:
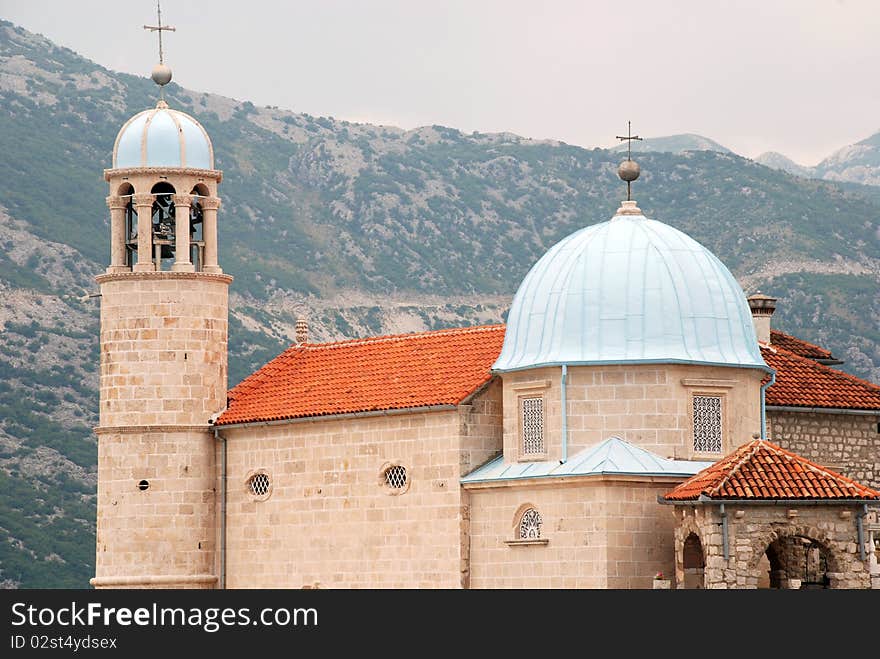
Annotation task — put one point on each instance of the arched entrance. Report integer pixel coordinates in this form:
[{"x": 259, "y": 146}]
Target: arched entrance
[
  {"x": 795, "y": 561},
  {"x": 693, "y": 562}
]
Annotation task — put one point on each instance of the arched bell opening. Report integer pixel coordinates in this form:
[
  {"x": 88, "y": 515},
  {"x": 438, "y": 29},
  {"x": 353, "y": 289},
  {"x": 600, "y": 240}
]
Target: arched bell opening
[
  {"x": 197, "y": 228},
  {"x": 129, "y": 236},
  {"x": 200, "y": 190},
  {"x": 163, "y": 225}
]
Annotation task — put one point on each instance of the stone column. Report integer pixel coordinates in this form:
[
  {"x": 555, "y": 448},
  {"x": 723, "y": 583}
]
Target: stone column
[
  {"x": 210, "y": 205},
  {"x": 144, "y": 203},
  {"x": 117, "y": 206},
  {"x": 182, "y": 263}
]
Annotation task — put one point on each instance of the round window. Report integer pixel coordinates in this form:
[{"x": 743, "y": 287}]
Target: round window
[
  {"x": 258, "y": 485},
  {"x": 395, "y": 478}
]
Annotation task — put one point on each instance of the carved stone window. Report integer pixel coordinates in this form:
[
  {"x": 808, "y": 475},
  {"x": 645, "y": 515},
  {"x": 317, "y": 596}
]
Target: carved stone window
[
  {"x": 530, "y": 525},
  {"x": 532, "y": 425},
  {"x": 707, "y": 424},
  {"x": 527, "y": 524}
]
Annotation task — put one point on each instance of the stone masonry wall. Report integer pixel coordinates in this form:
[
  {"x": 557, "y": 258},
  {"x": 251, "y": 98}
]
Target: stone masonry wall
[
  {"x": 329, "y": 519},
  {"x": 847, "y": 443},
  {"x": 164, "y": 534},
  {"x": 644, "y": 404},
  {"x": 481, "y": 428},
  {"x": 752, "y": 529},
  {"x": 598, "y": 533},
  {"x": 163, "y": 348}
]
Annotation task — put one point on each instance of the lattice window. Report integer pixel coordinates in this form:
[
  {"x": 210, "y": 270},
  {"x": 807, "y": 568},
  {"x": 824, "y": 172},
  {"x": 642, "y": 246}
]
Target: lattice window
[
  {"x": 530, "y": 525},
  {"x": 532, "y": 420},
  {"x": 707, "y": 424},
  {"x": 395, "y": 477},
  {"x": 258, "y": 485}
]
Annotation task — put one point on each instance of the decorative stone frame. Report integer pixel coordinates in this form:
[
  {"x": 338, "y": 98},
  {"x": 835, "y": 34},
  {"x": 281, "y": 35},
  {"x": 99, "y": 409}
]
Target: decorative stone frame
[
  {"x": 525, "y": 390},
  {"x": 247, "y": 485},
  {"x": 516, "y": 541},
  {"x": 383, "y": 481},
  {"x": 697, "y": 387}
]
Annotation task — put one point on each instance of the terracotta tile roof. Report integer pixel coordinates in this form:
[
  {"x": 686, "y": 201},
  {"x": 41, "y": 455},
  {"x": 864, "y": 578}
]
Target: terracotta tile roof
[
  {"x": 761, "y": 470},
  {"x": 798, "y": 346},
  {"x": 380, "y": 373},
  {"x": 802, "y": 382},
  {"x": 445, "y": 366}
]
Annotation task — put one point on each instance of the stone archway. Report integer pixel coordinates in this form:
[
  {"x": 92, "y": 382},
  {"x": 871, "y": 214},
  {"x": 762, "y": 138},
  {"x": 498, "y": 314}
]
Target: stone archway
[
  {"x": 693, "y": 562},
  {"x": 798, "y": 557}
]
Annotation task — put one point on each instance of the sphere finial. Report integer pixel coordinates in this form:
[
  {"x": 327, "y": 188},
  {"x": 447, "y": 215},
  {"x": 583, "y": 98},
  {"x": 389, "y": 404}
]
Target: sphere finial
[
  {"x": 161, "y": 74},
  {"x": 629, "y": 170}
]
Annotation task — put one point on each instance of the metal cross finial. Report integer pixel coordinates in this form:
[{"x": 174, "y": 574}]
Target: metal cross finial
[
  {"x": 160, "y": 28},
  {"x": 629, "y": 137}
]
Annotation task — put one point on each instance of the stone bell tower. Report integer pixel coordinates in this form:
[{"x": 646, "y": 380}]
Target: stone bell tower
[{"x": 164, "y": 316}]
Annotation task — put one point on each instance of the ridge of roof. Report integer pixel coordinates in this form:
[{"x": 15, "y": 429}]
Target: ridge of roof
[
  {"x": 387, "y": 338},
  {"x": 818, "y": 352}
]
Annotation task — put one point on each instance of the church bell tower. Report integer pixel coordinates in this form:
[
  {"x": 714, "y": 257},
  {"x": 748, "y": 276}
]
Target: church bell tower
[{"x": 163, "y": 374}]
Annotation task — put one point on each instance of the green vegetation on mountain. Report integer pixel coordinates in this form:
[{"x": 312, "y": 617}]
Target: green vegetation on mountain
[{"x": 365, "y": 229}]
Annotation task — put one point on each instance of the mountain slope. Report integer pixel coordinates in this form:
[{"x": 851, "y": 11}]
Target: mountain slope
[
  {"x": 366, "y": 229},
  {"x": 858, "y": 163},
  {"x": 674, "y": 144},
  {"x": 776, "y": 160}
]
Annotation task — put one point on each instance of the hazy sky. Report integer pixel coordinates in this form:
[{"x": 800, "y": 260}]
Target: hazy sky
[{"x": 795, "y": 76}]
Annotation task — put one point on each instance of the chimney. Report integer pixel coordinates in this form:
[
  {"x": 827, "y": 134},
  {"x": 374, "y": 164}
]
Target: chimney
[
  {"x": 302, "y": 330},
  {"x": 762, "y": 307}
]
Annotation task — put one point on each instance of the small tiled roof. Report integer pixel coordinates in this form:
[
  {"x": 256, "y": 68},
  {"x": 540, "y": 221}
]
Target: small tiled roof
[
  {"x": 798, "y": 346},
  {"x": 381, "y": 373},
  {"x": 802, "y": 382},
  {"x": 761, "y": 470}
]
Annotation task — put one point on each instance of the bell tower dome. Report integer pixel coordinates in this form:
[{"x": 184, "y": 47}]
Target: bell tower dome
[{"x": 163, "y": 373}]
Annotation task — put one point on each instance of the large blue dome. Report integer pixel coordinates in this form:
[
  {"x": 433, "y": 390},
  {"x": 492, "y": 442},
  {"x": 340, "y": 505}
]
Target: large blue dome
[
  {"x": 630, "y": 290},
  {"x": 162, "y": 137}
]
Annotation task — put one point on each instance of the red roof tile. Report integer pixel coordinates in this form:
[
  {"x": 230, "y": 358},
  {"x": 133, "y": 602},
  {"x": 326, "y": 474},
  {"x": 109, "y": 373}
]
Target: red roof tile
[
  {"x": 444, "y": 367},
  {"x": 762, "y": 470},
  {"x": 798, "y": 346},
  {"x": 802, "y": 382},
  {"x": 380, "y": 373}
]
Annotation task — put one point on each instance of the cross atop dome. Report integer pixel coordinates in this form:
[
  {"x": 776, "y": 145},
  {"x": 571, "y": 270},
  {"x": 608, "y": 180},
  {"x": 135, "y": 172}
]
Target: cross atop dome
[
  {"x": 629, "y": 169},
  {"x": 161, "y": 73}
]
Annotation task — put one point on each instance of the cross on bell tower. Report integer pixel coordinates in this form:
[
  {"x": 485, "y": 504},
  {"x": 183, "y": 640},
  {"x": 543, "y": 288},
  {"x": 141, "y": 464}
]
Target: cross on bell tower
[
  {"x": 161, "y": 74},
  {"x": 629, "y": 169}
]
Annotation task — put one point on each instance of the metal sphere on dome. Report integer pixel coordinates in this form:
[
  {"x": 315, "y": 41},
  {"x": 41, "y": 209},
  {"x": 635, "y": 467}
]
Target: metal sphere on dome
[
  {"x": 161, "y": 74},
  {"x": 629, "y": 170}
]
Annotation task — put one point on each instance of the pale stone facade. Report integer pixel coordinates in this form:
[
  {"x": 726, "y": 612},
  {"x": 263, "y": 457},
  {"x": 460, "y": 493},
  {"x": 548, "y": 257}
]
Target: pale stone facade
[
  {"x": 848, "y": 443},
  {"x": 645, "y": 404},
  {"x": 330, "y": 519},
  {"x": 163, "y": 375},
  {"x": 162, "y": 535},
  {"x": 596, "y": 533}
]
